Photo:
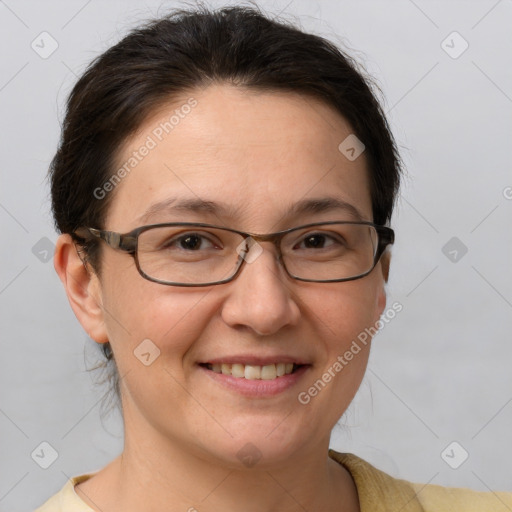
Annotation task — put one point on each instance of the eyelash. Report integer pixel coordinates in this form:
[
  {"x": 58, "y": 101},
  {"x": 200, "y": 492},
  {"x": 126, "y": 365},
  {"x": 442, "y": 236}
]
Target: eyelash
[{"x": 201, "y": 236}]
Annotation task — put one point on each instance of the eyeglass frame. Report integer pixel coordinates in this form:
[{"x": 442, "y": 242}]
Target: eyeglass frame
[{"x": 128, "y": 242}]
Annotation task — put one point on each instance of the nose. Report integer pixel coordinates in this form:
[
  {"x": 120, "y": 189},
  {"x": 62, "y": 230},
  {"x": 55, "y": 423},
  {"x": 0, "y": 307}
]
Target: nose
[{"x": 261, "y": 297}]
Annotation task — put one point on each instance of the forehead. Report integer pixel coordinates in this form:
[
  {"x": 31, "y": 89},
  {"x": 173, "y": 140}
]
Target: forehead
[{"x": 252, "y": 155}]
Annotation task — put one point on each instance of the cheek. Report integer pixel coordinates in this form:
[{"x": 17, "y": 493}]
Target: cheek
[
  {"x": 346, "y": 309},
  {"x": 346, "y": 314},
  {"x": 137, "y": 310},
  {"x": 172, "y": 321}
]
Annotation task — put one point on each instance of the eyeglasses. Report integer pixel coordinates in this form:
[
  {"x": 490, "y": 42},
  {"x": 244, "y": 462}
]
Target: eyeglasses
[{"x": 198, "y": 254}]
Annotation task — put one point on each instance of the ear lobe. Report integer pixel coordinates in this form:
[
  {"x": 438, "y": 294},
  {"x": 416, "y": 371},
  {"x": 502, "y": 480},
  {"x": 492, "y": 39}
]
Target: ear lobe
[
  {"x": 385, "y": 261},
  {"x": 82, "y": 288}
]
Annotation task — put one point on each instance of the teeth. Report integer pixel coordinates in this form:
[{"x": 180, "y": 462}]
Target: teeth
[
  {"x": 269, "y": 372},
  {"x": 253, "y": 372},
  {"x": 238, "y": 370}
]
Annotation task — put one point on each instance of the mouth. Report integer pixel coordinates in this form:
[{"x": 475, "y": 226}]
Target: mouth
[
  {"x": 271, "y": 371},
  {"x": 257, "y": 375}
]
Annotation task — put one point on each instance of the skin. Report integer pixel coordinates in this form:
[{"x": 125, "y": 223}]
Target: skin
[{"x": 261, "y": 152}]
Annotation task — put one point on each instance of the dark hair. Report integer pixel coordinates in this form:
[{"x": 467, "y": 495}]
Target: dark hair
[{"x": 189, "y": 49}]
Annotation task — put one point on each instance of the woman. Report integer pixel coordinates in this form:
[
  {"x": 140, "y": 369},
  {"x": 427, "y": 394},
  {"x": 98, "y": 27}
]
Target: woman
[{"x": 223, "y": 189}]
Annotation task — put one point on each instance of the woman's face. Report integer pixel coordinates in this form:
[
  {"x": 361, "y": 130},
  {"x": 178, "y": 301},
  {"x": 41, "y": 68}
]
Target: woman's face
[{"x": 256, "y": 155}]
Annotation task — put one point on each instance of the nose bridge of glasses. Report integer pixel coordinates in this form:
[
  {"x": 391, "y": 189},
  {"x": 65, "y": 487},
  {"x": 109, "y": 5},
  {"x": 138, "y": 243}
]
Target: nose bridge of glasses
[{"x": 273, "y": 238}]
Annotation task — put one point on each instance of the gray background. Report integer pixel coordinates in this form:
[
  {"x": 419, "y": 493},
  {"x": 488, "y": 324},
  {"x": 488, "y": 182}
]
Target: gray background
[{"x": 439, "y": 372}]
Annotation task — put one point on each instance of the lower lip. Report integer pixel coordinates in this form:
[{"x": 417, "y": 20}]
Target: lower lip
[{"x": 258, "y": 387}]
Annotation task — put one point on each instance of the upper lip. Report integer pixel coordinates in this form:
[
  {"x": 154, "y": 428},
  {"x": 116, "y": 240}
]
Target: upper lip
[{"x": 255, "y": 360}]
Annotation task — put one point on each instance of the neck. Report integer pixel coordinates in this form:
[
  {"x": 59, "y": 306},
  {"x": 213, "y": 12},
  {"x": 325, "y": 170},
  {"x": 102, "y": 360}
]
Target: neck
[{"x": 143, "y": 478}]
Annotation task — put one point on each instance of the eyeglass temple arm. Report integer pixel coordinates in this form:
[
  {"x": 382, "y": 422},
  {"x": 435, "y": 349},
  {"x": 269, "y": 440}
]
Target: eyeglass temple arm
[
  {"x": 386, "y": 238},
  {"x": 125, "y": 243}
]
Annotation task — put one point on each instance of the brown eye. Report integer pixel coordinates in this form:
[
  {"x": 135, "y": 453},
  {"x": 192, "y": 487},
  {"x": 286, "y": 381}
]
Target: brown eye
[
  {"x": 318, "y": 241},
  {"x": 190, "y": 242}
]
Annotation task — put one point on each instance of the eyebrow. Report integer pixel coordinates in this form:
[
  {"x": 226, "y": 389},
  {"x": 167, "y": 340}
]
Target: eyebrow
[{"x": 313, "y": 206}]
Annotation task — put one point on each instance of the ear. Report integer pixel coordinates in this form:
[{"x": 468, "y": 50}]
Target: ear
[
  {"x": 82, "y": 288},
  {"x": 384, "y": 263}
]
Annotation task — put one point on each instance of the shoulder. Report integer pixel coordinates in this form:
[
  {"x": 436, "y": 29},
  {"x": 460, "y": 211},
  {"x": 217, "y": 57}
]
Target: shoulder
[
  {"x": 448, "y": 499},
  {"x": 66, "y": 500},
  {"x": 379, "y": 491}
]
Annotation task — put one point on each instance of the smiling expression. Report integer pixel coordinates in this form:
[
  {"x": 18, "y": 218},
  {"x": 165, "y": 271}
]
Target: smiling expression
[{"x": 234, "y": 357}]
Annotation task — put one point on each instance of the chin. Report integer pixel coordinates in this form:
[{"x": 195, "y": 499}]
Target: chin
[{"x": 272, "y": 442}]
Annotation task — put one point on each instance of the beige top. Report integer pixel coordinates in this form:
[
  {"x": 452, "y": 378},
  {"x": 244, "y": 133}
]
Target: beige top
[{"x": 378, "y": 492}]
